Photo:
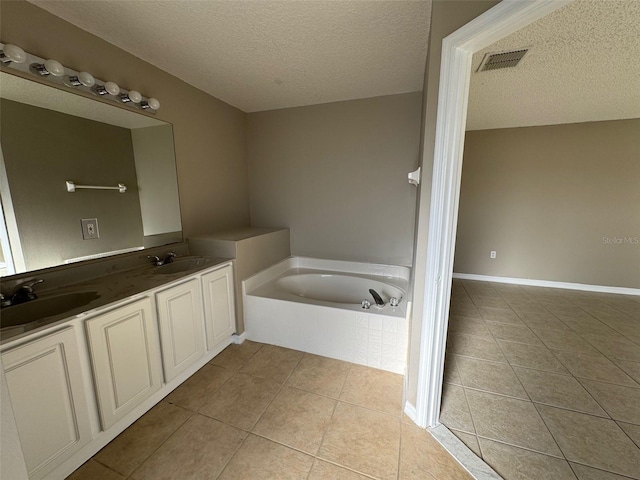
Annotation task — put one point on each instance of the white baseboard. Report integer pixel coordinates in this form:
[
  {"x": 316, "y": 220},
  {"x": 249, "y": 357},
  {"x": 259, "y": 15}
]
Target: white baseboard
[
  {"x": 238, "y": 339},
  {"x": 548, "y": 283},
  {"x": 410, "y": 411}
]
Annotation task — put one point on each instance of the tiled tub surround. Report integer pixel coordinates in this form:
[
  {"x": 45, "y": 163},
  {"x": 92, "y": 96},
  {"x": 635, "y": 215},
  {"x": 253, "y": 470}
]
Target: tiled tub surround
[
  {"x": 261, "y": 412},
  {"x": 545, "y": 383},
  {"x": 376, "y": 337}
]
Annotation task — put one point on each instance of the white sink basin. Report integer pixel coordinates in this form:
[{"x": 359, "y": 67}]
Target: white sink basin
[{"x": 183, "y": 264}]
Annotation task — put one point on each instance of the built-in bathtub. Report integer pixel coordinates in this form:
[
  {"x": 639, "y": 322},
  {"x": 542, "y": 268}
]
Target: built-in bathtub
[{"x": 314, "y": 305}]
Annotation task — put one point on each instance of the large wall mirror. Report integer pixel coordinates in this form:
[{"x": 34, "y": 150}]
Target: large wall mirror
[{"x": 50, "y": 136}]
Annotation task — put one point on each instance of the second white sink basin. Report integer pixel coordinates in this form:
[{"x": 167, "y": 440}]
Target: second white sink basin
[{"x": 183, "y": 264}]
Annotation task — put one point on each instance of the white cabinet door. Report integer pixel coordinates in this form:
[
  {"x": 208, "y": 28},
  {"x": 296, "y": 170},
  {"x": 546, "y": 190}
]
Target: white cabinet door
[
  {"x": 181, "y": 322},
  {"x": 48, "y": 397},
  {"x": 219, "y": 305},
  {"x": 126, "y": 358}
]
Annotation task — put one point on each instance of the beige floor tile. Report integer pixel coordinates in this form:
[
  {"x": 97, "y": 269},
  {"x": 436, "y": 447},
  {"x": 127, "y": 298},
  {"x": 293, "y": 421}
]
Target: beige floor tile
[
  {"x": 513, "y": 333},
  {"x": 464, "y": 310},
  {"x": 594, "y": 367},
  {"x": 274, "y": 363},
  {"x": 454, "y": 412},
  {"x": 490, "y": 302},
  {"x": 262, "y": 459},
  {"x": 199, "y": 387},
  {"x": 587, "y": 473},
  {"x": 558, "y": 390},
  {"x": 525, "y": 305},
  {"x": 616, "y": 347},
  {"x": 633, "y": 431},
  {"x": 469, "y": 326},
  {"x": 514, "y": 463},
  {"x": 372, "y": 388},
  {"x": 531, "y": 356},
  {"x": 631, "y": 368},
  {"x": 451, "y": 373},
  {"x": 622, "y": 403},
  {"x": 511, "y": 421},
  {"x": 199, "y": 449},
  {"x": 328, "y": 471},
  {"x": 565, "y": 341},
  {"x": 297, "y": 419},
  {"x": 133, "y": 446},
  {"x": 469, "y": 440},
  {"x": 491, "y": 377},
  {"x": 92, "y": 470},
  {"x": 421, "y": 455},
  {"x": 235, "y": 356},
  {"x": 241, "y": 400},
  {"x": 593, "y": 441},
  {"x": 477, "y": 347},
  {"x": 499, "y": 315},
  {"x": 321, "y": 375},
  {"x": 591, "y": 325},
  {"x": 539, "y": 320},
  {"x": 363, "y": 440}
]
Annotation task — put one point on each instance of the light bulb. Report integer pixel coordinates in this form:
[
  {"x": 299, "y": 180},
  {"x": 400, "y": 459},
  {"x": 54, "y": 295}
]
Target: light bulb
[
  {"x": 86, "y": 79},
  {"x": 13, "y": 53},
  {"x": 112, "y": 88},
  {"x": 135, "y": 96},
  {"x": 83, "y": 78},
  {"x": 154, "y": 103},
  {"x": 54, "y": 67}
]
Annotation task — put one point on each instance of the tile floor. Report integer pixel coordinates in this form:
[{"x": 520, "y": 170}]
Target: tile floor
[
  {"x": 545, "y": 383},
  {"x": 263, "y": 412}
]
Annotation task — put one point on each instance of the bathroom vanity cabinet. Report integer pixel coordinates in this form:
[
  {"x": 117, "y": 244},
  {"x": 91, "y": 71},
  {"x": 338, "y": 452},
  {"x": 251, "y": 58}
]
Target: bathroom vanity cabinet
[
  {"x": 49, "y": 403},
  {"x": 78, "y": 384},
  {"x": 181, "y": 321},
  {"x": 219, "y": 305},
  {"x": 125, "y": 356}
]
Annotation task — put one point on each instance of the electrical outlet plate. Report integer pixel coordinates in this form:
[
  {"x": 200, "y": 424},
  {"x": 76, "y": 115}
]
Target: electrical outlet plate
[
  {"x": 493, "y": 254},
  {"x": 90, "y": 228}
]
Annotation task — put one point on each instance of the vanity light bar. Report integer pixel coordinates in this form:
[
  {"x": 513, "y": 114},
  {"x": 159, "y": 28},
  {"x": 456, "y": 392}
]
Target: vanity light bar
[{"x": 13, "y": 57}]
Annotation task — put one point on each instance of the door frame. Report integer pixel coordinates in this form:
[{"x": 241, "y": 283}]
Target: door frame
[{"x": 455, "y": 73}]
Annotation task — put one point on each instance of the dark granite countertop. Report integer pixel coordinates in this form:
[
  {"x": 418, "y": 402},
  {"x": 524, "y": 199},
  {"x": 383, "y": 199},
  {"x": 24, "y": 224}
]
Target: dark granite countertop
[{"x": 111, "y": 288}]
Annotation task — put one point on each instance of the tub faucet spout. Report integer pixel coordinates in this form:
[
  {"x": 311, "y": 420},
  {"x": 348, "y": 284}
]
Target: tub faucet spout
[{"x": 376, "y": 297}]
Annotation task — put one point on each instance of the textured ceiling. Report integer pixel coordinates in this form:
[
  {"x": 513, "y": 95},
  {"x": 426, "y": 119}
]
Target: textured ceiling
[
  {"x": 583, "y": 65},
  {"x": 263, "y": 55}
]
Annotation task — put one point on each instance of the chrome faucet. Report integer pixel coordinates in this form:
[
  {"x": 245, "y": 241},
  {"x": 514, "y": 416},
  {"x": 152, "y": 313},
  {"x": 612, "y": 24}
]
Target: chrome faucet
[
  {"x": 376, "y": 297},
  {"x": 24, "y": 293},
  {"x": 158, "y": 262}
]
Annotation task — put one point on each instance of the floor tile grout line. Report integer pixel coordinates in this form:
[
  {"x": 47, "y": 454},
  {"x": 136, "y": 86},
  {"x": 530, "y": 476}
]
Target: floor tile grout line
[
  {"x": 502, "y": 442},
  {"x": 550, "y": 432},
  {"x": 192, "y": 413},
  {"x": 250, "y": 432},
  {"x": 636, "y": 443},
  {"x": 598, "y": 469}
]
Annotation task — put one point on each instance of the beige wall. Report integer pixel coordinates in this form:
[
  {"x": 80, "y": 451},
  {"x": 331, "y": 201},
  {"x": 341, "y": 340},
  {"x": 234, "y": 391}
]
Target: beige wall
[
  {"x": 546, "y": 199},
  {"x": 446, "y": 17},
  {"x": 209, "y": 134},
  {"x": 48, "y": 217},
  {"x": 336, "y": 175}
]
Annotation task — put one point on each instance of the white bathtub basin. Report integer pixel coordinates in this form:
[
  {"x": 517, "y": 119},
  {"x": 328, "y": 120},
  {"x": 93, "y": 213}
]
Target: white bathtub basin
[{"x": 334, "y": 288}]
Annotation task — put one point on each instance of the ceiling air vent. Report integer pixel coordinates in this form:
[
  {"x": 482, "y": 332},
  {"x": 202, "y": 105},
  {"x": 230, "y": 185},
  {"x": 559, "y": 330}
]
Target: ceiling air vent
[{"x": 494, "y": 61}]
